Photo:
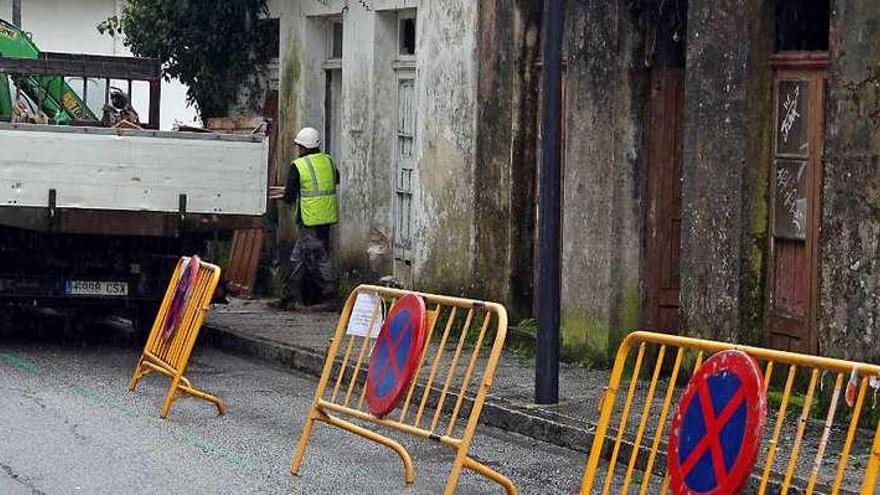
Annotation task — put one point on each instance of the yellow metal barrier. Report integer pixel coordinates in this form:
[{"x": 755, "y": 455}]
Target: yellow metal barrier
[
  {"x": 170, "y": 355},
  {"x": 442, "y": 381},
  {"x": 796, "y": 441}
]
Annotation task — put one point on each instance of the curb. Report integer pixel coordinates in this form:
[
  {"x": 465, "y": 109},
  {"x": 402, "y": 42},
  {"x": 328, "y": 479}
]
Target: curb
[{"x": 497, "y": 412}]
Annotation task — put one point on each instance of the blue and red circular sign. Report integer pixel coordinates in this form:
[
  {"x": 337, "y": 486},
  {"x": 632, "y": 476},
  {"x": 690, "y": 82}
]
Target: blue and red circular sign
[
  {"x": 396, "y": 354},
  {"x": 717, "y": 429}
]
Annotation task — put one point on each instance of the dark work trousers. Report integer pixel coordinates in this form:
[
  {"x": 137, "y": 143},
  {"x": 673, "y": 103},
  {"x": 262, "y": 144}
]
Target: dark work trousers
[{"x": 310, "y": 265}]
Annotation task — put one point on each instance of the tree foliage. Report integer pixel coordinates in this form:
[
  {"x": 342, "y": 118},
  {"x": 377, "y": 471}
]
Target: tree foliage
[{"x": 210, "y": 45}]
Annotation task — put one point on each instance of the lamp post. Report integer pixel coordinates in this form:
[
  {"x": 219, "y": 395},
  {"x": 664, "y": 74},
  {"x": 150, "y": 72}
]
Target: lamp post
[{"x": 549, "y": 209}]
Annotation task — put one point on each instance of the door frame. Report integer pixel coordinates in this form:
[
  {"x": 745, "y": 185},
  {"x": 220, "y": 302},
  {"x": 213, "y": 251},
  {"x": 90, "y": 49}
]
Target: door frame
[
  {"x": 402, "y": 248},
  {"x": 812, "y": 67},
  {"x": 652, "y": 276}
]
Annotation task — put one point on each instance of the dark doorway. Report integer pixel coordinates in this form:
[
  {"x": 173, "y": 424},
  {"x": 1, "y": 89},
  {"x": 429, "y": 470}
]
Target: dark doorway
[
  {"x": 665, "y": 55},
  {"x": 799, "y": 81},
  {"x": 663, "y": 200},
  {"x": 799, "y": 90}
]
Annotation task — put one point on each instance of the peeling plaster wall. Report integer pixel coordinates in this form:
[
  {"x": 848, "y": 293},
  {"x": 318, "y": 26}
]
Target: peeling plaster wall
[
  {"x": 507, "y": 126},
  {"x": 446, "y": 88},
  {"x": 849, "y": 304},
  {"x": 443, "y": 219},
  {"x": 601, "y": 193},
  {"x": 727, "y": 109},
  {"x": 356, "y": 164}
]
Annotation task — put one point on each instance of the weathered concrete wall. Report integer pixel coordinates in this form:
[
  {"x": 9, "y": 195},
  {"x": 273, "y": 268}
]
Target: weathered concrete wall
[
  {"x": 601, "y": 194},
  {"x": 290, "y": 84},
  {"x": 727, "y": 108},
  {"x": 444, "y": 192},
  {"x": 443, "y": 215},
  {"x": 849, "y": 307},
  {"x": 384, "y": 149},
  {"x": 508, "y": 99},
  {"x": 356, "y": 164}
]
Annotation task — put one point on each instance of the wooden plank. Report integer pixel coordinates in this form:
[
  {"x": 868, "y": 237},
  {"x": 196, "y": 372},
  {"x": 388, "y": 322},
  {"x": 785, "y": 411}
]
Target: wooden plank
[
  {"x": 238, "y": 124},
  {"x": 244, "y": 260}
]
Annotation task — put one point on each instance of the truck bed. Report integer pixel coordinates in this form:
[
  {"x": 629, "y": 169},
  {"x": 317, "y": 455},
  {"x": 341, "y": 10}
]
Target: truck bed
[{"x": 132, "y": 170}]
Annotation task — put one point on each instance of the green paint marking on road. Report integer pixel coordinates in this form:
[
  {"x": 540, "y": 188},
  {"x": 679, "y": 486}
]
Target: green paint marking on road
[
  {"x": 19, "y": 362},
  {"x": 212, "y": 448},
  {"x": 103, "y": 401},
  {"x": 182, "y": 434}
]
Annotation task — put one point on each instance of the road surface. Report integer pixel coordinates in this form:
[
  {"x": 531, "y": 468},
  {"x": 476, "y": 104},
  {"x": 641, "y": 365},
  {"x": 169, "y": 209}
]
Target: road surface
[{"x": 70, "y": 425}]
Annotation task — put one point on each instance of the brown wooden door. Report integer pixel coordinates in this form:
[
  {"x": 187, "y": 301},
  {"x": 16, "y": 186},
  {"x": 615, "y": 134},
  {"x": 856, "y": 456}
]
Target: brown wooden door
[
  {"x": 663, "y": 200},
  {"x": 799, "y": 86}
]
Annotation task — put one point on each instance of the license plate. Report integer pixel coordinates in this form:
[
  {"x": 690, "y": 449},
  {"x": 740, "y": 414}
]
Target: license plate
[{"x": 95, "y": 288}]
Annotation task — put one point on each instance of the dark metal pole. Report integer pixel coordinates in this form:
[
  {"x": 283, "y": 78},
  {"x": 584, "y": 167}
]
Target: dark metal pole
[
  {"x": 16, "y": 12},
  {"x": 549, "y": 209}
]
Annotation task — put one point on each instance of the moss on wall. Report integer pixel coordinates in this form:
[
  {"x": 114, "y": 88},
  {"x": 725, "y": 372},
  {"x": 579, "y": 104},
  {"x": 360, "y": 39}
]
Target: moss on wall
[
  {"x": 627, "y": 317},
  {"x": 585, "y": 339},
  {"x": 288, "y": 116}
]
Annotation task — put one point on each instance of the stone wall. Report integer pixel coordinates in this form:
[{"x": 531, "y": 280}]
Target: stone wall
[
  {"x": 601, "y": 179},
  {"x": 725, "y": 168},
  {"x": 849, "y": 302},
  {"x": 455, "y": 187},
  {"x": 505, "y": 174}
]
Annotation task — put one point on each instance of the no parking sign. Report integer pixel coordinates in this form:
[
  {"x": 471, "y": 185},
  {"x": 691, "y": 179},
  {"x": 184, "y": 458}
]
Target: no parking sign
[
  {"x": 396, "y": 355},
  {"x": 717, "y": 429}
]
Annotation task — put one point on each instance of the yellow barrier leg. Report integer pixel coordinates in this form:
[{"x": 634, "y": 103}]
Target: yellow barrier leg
[
  {"x": 409, "y": 472},
  {"x": 172, "y": 394},
  {"x": 187, "y": 388},
  {"x": 455, "y": 474},
  {"x": 300, "y": 453},
  {"x": 139, "y": 372},
  {"x": 488, "y": 472},
  {"x": 869, "y": 484}
]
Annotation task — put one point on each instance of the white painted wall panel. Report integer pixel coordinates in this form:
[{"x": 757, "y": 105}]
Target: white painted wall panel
[{"x": 133, "y": 171}]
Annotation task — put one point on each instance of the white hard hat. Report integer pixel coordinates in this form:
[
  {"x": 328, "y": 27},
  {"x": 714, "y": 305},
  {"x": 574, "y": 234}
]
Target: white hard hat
[{"x": 308, "y": 137}]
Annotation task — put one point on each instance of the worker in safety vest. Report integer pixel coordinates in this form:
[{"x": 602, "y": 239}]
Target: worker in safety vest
[{"x": 311, "y": 192}]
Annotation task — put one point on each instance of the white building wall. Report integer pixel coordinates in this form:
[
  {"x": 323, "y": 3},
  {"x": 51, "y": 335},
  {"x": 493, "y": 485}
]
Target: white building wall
[
  {"x": 71, "y": 26},
  {"x": 446, "y": 92}
]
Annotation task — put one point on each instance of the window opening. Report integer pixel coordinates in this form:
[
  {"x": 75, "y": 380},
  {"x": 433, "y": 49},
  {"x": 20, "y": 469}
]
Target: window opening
[
  {"x": 407, "y": 34},
  {"x": 802, "y": 25},
  {"x": 270, "y": 37},
  {"x": 336, "y": 40}
]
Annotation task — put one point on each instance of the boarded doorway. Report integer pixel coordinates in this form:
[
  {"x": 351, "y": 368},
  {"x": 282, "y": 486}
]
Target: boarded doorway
[
  {"x": 406, "y": 175},
  {"x": 663, "y": 200},
  {"x": 796, "y": 177}
]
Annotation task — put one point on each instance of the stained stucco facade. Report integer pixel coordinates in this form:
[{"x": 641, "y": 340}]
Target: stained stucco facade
[
  {"x": 476, "y": 72},
  {"x": 452, "y": 190}
]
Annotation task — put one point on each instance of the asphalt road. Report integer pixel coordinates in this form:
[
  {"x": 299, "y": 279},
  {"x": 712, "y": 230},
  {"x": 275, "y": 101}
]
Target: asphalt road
[{"x": 70, "y": 425}]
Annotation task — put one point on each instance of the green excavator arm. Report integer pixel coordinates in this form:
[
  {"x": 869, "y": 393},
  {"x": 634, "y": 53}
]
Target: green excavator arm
[{"x": 52, "y": 93}]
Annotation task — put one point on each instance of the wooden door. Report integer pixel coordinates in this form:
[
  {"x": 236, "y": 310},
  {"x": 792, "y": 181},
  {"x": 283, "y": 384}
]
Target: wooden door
[
  {"x": 405, "y": 177},
  {"x": 799, "y": 87},
  {"x": 663, "y": 200}
]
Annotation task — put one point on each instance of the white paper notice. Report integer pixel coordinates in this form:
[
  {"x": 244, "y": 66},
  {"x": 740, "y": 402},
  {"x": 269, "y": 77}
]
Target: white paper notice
[{"x": 362, "y": 314}]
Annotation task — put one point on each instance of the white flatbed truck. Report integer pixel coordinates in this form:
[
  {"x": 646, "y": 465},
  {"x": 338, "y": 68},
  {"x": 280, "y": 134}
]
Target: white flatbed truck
[{"x": 94, "y": 218}]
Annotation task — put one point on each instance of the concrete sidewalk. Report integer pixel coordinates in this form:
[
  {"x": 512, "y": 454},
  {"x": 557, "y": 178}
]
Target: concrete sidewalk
[{"x": 298, "y": 341}]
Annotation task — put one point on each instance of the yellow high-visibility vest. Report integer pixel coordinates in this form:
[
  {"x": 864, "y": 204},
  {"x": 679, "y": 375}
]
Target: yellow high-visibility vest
[{"x": 317, "y": 190}]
